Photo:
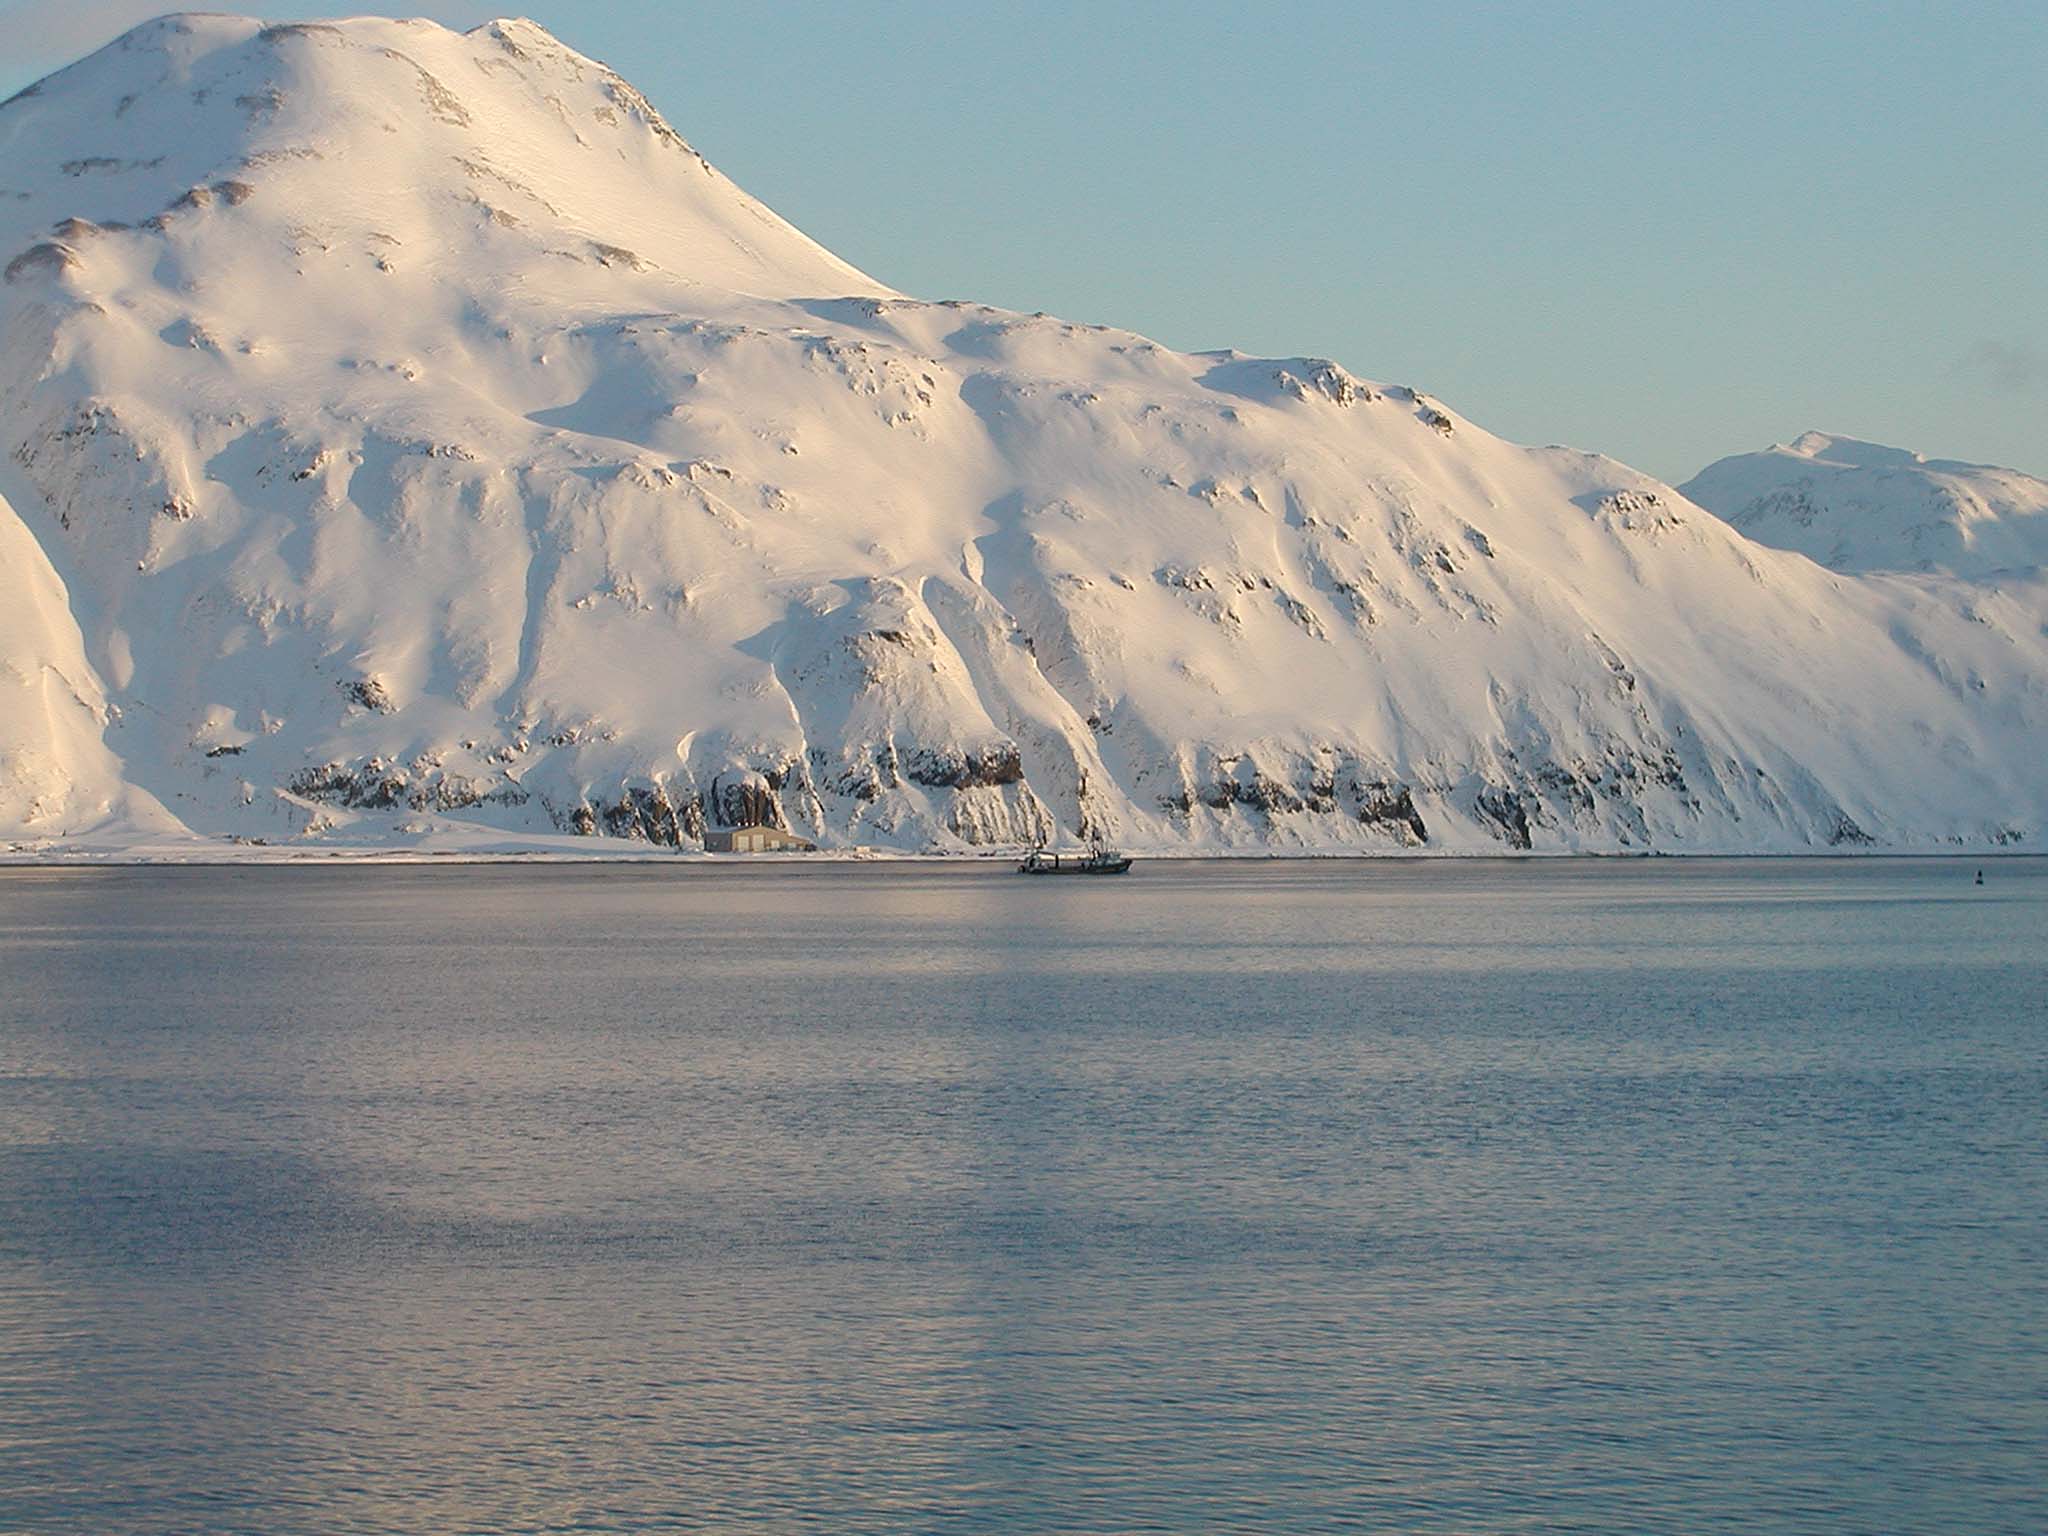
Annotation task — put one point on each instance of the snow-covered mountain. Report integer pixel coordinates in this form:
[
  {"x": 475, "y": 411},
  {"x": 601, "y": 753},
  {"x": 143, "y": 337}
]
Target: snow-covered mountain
[
  {"x": 409, "y": 438},
  {"x": 1856, "y": 506}
]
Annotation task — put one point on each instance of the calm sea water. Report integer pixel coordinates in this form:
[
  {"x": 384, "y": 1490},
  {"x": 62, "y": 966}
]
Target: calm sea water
[{"x": 1446, "y": 1197}]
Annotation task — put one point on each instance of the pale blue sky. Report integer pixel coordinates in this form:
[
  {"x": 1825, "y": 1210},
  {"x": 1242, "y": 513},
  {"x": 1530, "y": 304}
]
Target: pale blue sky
[{"x": 1665, "y": 232}]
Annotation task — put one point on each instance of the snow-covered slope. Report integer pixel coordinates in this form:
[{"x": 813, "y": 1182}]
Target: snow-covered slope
[
  {"x": 56, "y": 772},
  {"x": 427, "y": 439},
  {"x": 1856, "y": 506}
]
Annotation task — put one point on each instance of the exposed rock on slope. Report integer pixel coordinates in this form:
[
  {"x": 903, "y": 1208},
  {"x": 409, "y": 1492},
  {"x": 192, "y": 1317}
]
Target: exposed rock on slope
[{"x": 427, "y": 437}]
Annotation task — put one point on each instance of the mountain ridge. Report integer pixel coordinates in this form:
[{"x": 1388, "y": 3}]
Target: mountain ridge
[
  {"x": 1858, "y": 506},
  {"x": 431, "y": 447}
]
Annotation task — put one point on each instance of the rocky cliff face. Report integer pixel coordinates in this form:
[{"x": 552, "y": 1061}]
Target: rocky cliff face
[{"x": 406, "y": 432}]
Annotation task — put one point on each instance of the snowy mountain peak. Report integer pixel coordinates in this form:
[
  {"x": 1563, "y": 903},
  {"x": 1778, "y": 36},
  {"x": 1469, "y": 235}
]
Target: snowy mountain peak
[
  {"x": 406, "y": 438},
  {"x": 1862, "y": 506},
  {"x": 370, "y": 133},
  {"x": 1854, "y": 452}
]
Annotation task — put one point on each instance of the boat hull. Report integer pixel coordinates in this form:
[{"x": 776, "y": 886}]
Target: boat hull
[{"x": 1054, "y": 864}]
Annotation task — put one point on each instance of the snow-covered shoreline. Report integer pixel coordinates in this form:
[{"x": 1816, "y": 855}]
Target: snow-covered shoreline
[{"x": 626, "y": 857}]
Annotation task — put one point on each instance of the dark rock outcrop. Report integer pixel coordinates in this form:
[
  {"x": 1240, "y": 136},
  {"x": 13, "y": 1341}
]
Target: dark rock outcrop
[
  {"x": 379, "y": 784},
  {"x": 1392, "y": 807},
  {"x": 964, "y": 768},
  {"x": 1506, "y": 810}
]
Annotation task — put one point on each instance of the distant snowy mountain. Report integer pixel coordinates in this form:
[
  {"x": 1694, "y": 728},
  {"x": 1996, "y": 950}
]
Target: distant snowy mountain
[
  {"x": 1857, "y": 506},
  {"x": 410, "y": 440}
]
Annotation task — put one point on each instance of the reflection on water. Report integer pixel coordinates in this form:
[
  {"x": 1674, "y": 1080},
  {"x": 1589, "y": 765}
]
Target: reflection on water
[{"x": 1465, "y": 1197}]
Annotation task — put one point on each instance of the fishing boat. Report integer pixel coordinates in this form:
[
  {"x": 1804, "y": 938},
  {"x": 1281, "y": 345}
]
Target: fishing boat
[{"x": 1098, "y": 860}]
